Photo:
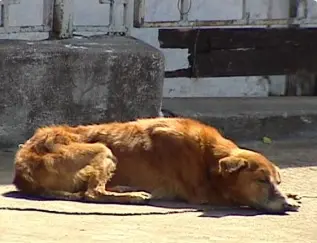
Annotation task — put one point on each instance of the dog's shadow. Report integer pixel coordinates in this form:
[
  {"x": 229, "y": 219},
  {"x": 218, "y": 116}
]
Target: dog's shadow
[{"x": 177, "y": 207}]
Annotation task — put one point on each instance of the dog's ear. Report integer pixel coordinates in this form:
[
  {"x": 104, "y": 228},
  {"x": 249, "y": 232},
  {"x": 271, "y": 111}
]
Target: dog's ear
[
  {"x": 278, "y": 174},
  {"x": 232, "y": 164}
]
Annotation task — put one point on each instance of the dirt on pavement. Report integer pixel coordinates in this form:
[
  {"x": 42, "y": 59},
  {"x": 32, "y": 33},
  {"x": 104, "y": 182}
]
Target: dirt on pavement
[{"x": 23, "y": 220}]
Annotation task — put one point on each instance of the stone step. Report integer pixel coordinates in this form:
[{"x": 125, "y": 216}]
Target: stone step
[{"x": 252, "y": 118}]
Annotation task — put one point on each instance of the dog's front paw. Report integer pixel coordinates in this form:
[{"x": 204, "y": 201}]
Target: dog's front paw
[
  {"x": 140, "y": 197},
  {"x": 292, "y": 204},
  {"x": 294, "y": 196}
]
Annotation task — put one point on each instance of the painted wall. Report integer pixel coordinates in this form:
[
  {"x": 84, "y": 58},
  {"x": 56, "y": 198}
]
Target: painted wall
[{"x": 94, "y": 13}]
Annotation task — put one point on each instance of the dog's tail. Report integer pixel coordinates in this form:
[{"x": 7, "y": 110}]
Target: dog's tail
[
  {"x": 52, "y": 142},
  {"x": 49, "y": 144},
  {"x": 44, "y": 143}
]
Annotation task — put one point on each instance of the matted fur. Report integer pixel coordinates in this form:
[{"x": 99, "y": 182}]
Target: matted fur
[{"x": 159, "y": 158}]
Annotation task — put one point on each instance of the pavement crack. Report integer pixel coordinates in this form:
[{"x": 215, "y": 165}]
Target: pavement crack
[
  {"x": 95, "y": 213},
  {"x": 308, "y": 196}
]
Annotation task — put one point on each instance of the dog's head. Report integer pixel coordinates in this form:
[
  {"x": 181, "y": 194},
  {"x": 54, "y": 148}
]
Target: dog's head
[{"x": 252, "y": 180}]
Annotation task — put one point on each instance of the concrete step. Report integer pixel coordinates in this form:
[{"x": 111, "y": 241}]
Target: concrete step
[
  {"x": 252, "y": 118},
  {"x": 76, "y": 81}
]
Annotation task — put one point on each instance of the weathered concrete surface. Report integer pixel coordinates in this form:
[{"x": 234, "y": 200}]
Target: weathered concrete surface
[
  {"x": 252, "y": 118},
  {"x": 86, "y": 80},
  {"x": 27, "y": 221}
]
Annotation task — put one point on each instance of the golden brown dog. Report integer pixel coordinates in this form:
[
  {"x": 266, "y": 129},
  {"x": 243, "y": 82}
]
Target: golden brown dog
[{"x": 160, "y": 158}]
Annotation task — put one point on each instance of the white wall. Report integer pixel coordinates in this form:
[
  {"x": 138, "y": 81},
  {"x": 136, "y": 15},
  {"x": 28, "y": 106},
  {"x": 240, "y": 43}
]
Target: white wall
[{"x": 29, "y": 13}]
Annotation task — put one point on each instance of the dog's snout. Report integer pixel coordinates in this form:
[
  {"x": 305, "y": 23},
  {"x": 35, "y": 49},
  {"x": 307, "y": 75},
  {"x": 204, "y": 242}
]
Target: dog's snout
[{"x": 275, "y": 193}]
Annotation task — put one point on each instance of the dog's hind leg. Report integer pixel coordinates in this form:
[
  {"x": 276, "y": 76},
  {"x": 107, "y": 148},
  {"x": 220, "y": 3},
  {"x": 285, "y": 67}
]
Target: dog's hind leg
[
  {"x": 76, "y": 172},
  {"x": 98, "y": 172}
]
